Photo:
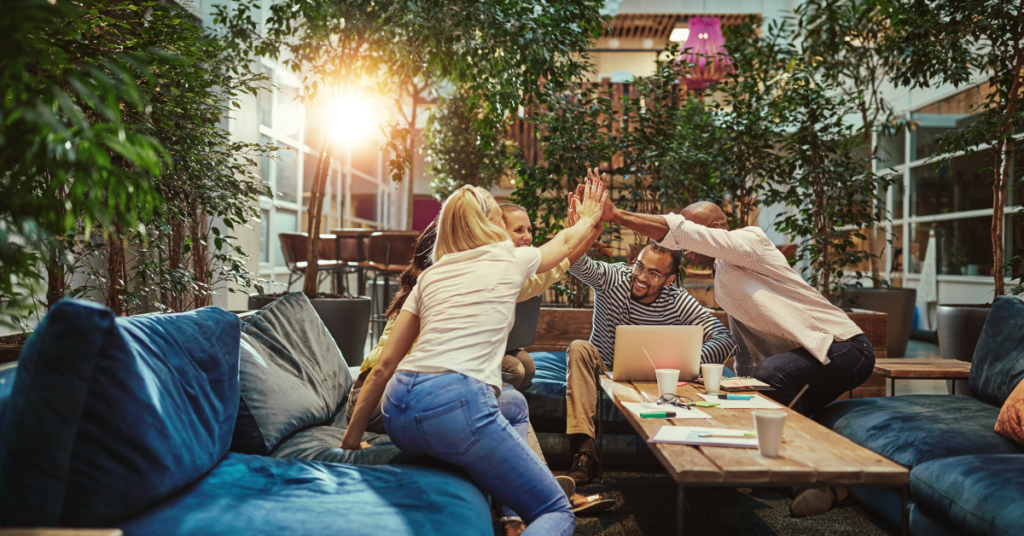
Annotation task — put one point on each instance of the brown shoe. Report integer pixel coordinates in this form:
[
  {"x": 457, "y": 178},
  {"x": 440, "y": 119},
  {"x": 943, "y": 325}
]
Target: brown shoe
[
  {"x": 512, "y": 527},
  {"x": 811, "y": 502},
  {"x": 585, "y": 468}
]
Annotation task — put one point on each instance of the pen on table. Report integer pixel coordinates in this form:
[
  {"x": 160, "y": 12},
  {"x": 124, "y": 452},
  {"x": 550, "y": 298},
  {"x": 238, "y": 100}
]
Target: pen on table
[
  {"x": 724, "y": 396},
  {"x": 659, "y": 415}
]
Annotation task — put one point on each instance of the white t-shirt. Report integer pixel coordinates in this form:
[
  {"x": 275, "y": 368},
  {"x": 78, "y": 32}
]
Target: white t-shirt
[{"x": 466, "y": 304}]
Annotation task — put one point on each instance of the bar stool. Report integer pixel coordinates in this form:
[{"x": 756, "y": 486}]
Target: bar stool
[
  {"x": 352, "y": 250},
  {"x": 293, "y": 247},
  {"x": 387, "y": 254}
]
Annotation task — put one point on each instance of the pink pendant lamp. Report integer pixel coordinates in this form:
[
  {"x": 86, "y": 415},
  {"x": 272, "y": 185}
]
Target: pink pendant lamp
[{"x": 705, "y": 50}]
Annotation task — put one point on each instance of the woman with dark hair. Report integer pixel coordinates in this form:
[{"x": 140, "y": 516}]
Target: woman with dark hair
[{"x": 406, "y": 282}]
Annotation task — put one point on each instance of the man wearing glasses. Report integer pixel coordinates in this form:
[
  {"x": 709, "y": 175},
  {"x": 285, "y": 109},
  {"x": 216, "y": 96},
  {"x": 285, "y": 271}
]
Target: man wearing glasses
[{"x": 641, "y": 294}]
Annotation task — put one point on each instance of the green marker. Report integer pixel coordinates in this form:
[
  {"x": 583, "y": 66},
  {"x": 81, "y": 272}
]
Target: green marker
[{"x": 659, "y": 415}]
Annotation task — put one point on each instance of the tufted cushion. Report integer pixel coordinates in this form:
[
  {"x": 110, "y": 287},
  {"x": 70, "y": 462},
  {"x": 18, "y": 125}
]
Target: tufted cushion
[
  {"x": 914, "y": 429},
  {"x": 292, "y": 374},
  {"x": 1011, "y": 418},
  {"x": 109, "y": 416},
  {"x": 998, "y": 364},
  {"x": 978, "y": 494}
]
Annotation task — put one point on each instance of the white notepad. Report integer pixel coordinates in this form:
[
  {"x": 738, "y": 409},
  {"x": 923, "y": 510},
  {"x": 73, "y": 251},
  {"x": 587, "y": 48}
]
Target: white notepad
[
  {"x": 756, "y": 402},
  {"x": 681, "y": 413},
  {"x": 690, "y": 435}
]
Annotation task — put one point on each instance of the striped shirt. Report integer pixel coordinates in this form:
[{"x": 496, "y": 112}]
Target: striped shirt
[
  {"x": 673, "y": 307},
  {"x": 755, "y": 284}
]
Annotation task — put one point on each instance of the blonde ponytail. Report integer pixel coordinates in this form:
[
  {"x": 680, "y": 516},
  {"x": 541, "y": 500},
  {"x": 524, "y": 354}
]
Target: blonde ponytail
[{"x": 465, "y": 222}]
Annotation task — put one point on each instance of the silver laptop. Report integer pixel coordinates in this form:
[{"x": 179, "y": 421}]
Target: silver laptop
[{"x": 673, "y": 347}]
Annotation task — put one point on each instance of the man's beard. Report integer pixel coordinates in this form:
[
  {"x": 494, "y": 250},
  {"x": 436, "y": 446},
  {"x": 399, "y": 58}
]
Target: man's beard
[{"x": 636, "y": 298}]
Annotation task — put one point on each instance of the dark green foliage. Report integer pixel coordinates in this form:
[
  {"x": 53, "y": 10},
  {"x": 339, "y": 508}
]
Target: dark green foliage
[{"x": 957, "y": 42}]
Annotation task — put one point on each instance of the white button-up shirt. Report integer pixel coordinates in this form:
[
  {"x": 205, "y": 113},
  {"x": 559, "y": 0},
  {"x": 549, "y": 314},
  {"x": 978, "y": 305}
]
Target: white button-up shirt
[{"x": 760, "y": 290}]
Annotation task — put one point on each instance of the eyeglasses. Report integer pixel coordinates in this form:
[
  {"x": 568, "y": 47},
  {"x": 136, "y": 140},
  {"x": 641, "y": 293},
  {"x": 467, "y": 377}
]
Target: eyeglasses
[
  {"x": 652, "y": 275},
  {"x": 678, "y": 401}
]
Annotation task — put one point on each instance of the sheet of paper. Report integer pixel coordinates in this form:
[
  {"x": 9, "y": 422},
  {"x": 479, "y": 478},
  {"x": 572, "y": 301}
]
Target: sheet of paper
[
  {"x": 691, "y": 435},
  {"x": 757, "y": 402},
  {"x": 681, "y": 413}
]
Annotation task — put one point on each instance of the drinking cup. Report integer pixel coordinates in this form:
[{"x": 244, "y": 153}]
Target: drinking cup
[
  {"x": 667, "y": 380},
  {"x": 712, "y": 377},
  {"x": 769, "y": 425}
]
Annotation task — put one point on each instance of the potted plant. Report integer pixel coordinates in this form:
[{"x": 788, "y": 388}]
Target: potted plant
[
  {"x": 848, "y": 38},
  {"x": 958, "y": 42}
]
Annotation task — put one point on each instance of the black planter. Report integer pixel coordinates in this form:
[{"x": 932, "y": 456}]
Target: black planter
[
  {"x": 10, "y": 347},
  {"x": 347, "y": 320},
  {"x": 896, "y": 303},
  {"x": 959, "y": 327}
]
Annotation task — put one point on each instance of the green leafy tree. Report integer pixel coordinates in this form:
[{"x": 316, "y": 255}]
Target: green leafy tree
[
  {"x": 957, "y": 42},
  {"x": 500, "y": 50},
  {"x": 455, "y": 151},
  {"x": 828, "y": 191},
  {"x": 67, "y": 151},
  {"x": 848, "y": 39}
]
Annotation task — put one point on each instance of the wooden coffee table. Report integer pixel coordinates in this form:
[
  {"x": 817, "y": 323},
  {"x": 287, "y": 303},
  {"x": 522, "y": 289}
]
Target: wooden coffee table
[
  {"x": 921, "y": 369},
  {"x": 811, "y": 454}
]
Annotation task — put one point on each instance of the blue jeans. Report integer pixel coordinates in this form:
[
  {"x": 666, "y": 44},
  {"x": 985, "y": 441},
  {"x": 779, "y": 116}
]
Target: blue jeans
[
  {"x": 850, "y": 364},
  {"x": 457, "y": 419}
]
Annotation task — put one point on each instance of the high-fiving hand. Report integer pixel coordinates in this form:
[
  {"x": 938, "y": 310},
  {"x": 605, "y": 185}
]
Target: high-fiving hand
[
  {"x": 605, "y": 206},
  {"x": 587, "y": 203}
]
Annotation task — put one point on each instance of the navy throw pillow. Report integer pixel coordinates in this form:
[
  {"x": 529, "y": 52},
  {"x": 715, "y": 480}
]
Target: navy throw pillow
[
  {"x": 998, "y": 364},
  {"x": 108, "y": 416},
  {"x": 292, "y": 374}
]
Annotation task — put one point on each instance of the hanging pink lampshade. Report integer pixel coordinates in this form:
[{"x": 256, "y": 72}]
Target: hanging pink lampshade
[{"x": 705, "y": 50}]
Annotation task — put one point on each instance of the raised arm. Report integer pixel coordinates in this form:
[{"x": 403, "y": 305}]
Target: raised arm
[
  {"x": 403, "y": 334},
  {"x": 568, "y": 240}
]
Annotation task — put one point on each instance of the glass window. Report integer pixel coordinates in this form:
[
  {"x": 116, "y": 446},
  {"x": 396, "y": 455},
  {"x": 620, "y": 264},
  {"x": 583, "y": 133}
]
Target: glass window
[
  {"x": 287, "y": 172},
  {"x": 892, "y": 150},
  {"x": 897, "y": 199},
  {"x": 265, "y": 164},
  {"x": 365, "y": 159},
  {"x": 895, "y": 244},
  {"x": 285, "y": 221},
  {"x": 963, "y": 247},
  {"x": 265, "y": 100},
  {"x": 264, "y": 235},
  {"x": 954, "y": 186},
  {"x": 364, "y": 199}
]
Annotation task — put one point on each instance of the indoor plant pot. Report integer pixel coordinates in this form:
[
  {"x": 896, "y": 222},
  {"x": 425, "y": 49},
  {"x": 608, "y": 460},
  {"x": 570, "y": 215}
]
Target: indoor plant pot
[
  {"x": 11, "y": 345},
  {"x": 347, "y": 319},
  {"x": 897, "y": 303},
  {"x": 959, "y": 327}
]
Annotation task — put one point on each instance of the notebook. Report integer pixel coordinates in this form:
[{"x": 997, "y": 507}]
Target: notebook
[
  {"x": 690, "y": 435},
  {"x": 739, "y": 385}
]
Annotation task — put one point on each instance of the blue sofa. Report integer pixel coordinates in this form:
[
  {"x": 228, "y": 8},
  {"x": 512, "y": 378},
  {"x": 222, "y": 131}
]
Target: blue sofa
[
  {"x": 964, "y": 478},
  {"x": 131, "y": 423}
]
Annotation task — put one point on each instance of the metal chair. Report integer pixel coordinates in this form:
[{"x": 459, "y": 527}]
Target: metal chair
[
  {"x": 351, "y": 246},
  {"x": 293, "y": 246},
  {"x": 387, "y": 254}
]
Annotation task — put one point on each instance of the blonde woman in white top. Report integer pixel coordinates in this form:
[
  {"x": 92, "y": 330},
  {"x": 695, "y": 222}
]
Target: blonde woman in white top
[{"x": 442, "y": 398}]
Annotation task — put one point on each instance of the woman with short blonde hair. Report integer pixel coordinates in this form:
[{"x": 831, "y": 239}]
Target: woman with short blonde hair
[{"x": 442, "y": 397}]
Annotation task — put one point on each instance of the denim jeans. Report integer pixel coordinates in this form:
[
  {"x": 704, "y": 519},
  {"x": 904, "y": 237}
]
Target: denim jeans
[
  {"x": 457, "y": 419},
  {"x": 850, "y": 364}
]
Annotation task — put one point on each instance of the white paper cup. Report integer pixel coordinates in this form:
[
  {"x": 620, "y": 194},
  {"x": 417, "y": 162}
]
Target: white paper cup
[
  {"x": 667, "y": 380},
  {"x": 769, "y": 425},
  {"x": 712, "y": 377}
]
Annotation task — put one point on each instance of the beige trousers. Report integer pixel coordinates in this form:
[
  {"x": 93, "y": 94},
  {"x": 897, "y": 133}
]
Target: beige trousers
[{"x": 585, "y": 366}]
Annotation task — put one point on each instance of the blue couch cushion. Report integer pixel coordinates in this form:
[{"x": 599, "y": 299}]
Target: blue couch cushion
[
  {"x": 321, "y": 442},
  {"x": 292, "y": 374},
  {"x": 109, "y": 416},
  {"x": 546, "y": 394},
  {"x": 978, "y": 494},
  {"x": 259, "y": 495},
  {"x": 998, "y": 364},
  {"x": 911, "y": 430}
]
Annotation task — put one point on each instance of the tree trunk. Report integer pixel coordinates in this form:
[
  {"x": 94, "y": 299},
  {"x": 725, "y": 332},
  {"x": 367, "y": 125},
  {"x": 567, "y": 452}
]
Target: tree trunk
[
  {"x": 412, "y": 167},
  {"x": 872, "y": 230},
  {"x": 315, "y": 211},
  {"x": 1004, "y": 158},
  {"x": 176, "y": 245},
  {"x": 200, "y": 231},
  {"x": 115, "y": 271},
  {"x": 55, "y": 274}
]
